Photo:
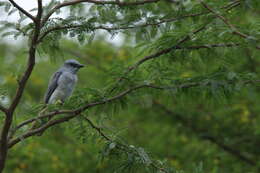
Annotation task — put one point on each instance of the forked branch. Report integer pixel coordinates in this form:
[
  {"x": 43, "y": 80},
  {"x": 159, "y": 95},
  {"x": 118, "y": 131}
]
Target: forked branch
[
  {"x": 22, "y": 10},
  {"x": 9, "y": 112}
]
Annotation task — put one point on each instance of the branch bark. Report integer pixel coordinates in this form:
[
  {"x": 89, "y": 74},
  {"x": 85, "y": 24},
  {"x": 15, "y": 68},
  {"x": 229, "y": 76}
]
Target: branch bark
[
  {"x": 22, "y": 10},
  {"x": 21, "y": 84},
  {"x": 73, "y": 113},
  {"x": 31, "y": 61},
  {"x": 3, "y": 109}
]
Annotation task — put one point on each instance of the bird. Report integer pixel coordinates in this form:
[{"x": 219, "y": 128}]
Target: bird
[
  {"x": 60, "y": 87},
  {"x": 62, "y": 82}
]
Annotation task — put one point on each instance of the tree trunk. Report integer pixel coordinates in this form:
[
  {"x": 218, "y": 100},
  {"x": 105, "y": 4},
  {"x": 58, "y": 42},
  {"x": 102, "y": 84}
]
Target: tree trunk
[{"x": 3, "y": 154}]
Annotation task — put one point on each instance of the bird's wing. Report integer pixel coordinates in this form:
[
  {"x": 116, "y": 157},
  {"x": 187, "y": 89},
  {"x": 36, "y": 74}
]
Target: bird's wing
[{"x": 53, "y": 84}]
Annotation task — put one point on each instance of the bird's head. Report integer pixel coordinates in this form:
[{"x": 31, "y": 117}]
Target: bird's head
[{"x": 73, "y": 65}]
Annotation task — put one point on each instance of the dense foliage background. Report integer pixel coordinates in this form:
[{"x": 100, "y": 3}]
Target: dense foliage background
[{"x": 202, "y": 116}]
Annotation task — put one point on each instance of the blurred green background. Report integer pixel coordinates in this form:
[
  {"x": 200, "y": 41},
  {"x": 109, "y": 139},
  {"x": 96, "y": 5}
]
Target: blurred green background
[{"x": 213, "y": 127}]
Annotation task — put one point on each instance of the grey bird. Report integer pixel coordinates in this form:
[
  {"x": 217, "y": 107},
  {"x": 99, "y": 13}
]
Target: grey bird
[{"x": 62, "y": 82}]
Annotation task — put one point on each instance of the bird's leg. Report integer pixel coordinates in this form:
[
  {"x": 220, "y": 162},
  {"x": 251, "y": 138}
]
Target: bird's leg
[
  {"x": 59, "y": 102},
  {"x": 35, "y": 123}
]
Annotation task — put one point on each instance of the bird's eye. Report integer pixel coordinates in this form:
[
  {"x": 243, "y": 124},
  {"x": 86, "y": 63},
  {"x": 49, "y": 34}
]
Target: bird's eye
[{"x": 73, "y": 65}]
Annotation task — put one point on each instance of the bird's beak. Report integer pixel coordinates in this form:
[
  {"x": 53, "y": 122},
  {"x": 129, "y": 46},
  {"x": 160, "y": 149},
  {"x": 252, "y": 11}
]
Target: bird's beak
[{"x": 81, "y": 65}]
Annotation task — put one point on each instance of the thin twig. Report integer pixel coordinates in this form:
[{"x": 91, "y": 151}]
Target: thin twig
[
  {"x": 165, "y": 51},
  {"x": 22, "y": 10},
  {"x": 158, "y": 54},
  {"x": 227, "y": 7},
  {"x": 209, "y": 46},
  {"x": 98, "y": 129},
  {"x": 57, "y": 28},
  {"x": 234, "y": 30},
  {"x": 231, "y": 4},
  {"x": 100, "y": 132},
  {"x": 74, "y": 2}
]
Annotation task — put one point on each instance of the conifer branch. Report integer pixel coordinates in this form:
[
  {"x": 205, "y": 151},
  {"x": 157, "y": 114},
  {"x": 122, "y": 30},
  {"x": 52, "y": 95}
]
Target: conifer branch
[
  {"x": 119, "y": 146},
  {"x": 161, "y": 21},
  {"x": 234, "y": 30},
  {"x": 165, "y": 51},
  {"x": 73, "y": 113},
  {"x": 98, "y": 2}
]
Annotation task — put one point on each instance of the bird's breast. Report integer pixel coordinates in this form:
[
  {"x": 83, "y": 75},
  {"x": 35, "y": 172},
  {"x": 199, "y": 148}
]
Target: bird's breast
[
  {"x": 66, "y": 84},
  {"x": 68, "y": 80}
]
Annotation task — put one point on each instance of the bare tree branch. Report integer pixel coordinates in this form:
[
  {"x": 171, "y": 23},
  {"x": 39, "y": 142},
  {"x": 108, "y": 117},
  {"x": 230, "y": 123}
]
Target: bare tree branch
[
  {"x": 199, "y": 131},
  {"x": 74, "y": 2},
  {"x": 21, "y": 85},
  {"x": 22, "y": 10},
  {"x": 31, "y": 60},
  {"x": 231, "y": 26}
]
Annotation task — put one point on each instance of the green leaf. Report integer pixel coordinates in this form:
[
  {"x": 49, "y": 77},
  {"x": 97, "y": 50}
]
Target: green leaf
[
  {"x": 91, "y": 38},
  {"x": 81, "y": 38},
  {"x": 7, "y": 7},
  {"x": 231, "y": 75},
  {"x": 145, "y": 158},
  {"x": 112, "y": 145}
]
